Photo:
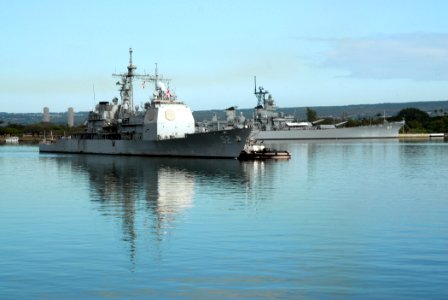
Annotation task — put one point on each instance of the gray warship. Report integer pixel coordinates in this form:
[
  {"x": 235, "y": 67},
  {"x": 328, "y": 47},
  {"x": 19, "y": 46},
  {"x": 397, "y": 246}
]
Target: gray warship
[
  {"x": 269, "y": 124},
  {"x": 163, "y": 127}
]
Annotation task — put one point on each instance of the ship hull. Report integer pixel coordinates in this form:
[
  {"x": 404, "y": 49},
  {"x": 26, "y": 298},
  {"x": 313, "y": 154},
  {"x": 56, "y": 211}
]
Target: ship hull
[
  {"x": 388, "y": 130},
  {"x": 218, "y": 144}
]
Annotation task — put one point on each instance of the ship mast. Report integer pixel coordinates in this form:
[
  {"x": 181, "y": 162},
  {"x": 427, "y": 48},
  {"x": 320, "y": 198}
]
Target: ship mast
[
  {"x": 260, "y": 94},
  {"x": 131, "y": 69},
  {"x": 156, "y": 77},
  {"x": 126, "y": 85}
]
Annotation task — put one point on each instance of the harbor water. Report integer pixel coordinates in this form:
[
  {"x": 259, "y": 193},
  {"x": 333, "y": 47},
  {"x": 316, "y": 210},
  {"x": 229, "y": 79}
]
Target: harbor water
[{"x": 361, "y": 219}]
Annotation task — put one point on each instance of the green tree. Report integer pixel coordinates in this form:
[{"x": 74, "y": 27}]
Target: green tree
[
  {"x": 12, "y": 131},
  {"x": 438, "y": 124},
  {"x": 414, "y": 114},
  {"x": 311, "y": 115},
  {"x": 416, "y": 120}
]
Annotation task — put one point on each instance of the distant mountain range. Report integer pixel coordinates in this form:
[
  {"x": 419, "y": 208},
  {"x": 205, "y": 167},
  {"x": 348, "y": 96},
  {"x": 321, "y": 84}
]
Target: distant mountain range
[{"x": 355, "y": 111}]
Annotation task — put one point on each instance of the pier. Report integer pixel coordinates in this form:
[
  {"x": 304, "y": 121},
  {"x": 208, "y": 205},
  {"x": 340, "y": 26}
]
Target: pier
[{"x": 422, "y": 135}]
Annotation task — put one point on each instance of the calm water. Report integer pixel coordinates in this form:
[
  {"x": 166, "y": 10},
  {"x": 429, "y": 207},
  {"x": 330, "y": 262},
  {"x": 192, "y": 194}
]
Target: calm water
[{"x": 340, "y": 220}]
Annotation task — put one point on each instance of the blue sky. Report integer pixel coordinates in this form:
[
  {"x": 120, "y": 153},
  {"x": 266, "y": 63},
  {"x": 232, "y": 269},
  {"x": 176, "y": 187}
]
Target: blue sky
[{"x": 306, "y": 53}]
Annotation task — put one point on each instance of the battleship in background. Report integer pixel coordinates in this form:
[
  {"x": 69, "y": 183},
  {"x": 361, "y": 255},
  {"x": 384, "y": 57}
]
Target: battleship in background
[
  {"x": 269, "y": 124},
  {"x": 165, "y": 127}
]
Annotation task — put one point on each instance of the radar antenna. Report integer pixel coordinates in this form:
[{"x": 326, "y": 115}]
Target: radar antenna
[
  {"x": 126, "y": 83},
  {"x": 261, "y": 94}
]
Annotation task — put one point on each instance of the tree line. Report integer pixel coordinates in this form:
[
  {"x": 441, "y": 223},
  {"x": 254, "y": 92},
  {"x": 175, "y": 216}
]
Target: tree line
[
  {"x": 417, "y": 121},
  {"x": 38, "y": 129}
]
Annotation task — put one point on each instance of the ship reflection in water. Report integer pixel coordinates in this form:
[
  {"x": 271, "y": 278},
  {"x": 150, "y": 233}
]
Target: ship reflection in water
[{"x": 149, "y": 196}]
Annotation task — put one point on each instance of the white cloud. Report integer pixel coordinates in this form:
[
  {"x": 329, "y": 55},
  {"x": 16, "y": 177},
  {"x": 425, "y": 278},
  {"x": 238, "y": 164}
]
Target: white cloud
[{"x": 421, "y": 57}]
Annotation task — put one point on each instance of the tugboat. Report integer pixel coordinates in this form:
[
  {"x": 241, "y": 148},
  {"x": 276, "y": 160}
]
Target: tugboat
[
  {"x": 164, "y": 127},
  {"x": 253, "y": 151}
]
